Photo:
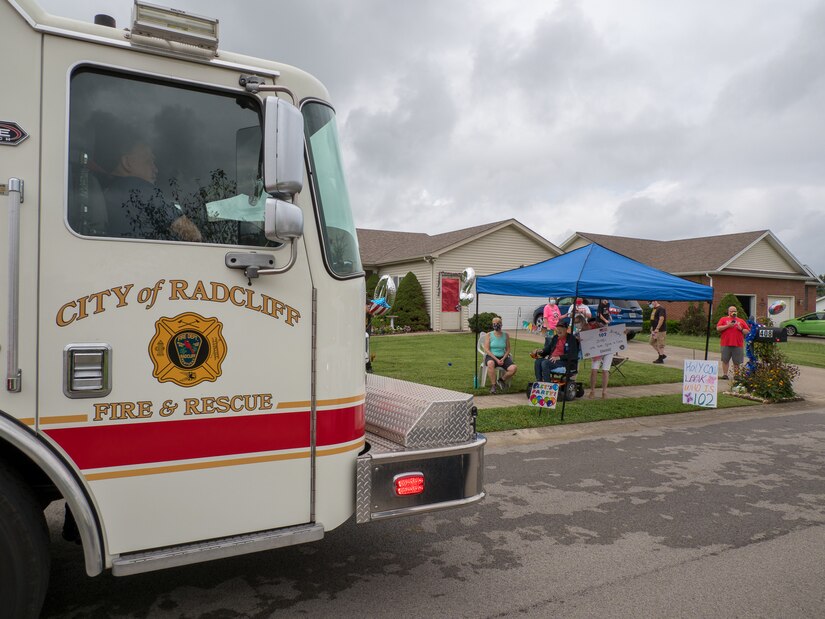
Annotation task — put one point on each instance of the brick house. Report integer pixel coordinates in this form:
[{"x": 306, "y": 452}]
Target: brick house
[{"x": 754, "y": 266}]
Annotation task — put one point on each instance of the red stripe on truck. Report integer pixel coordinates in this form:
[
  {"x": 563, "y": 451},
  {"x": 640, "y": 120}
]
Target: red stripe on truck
[{"x": 124, "y": 444}]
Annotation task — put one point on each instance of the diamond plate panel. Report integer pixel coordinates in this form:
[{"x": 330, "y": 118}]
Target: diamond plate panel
[
  {"x": 363, "y": 486},
  {"x": 416, "y": 415}
]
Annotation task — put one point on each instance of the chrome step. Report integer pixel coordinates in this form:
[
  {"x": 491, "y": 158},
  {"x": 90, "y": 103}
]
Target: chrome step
[{"x": 162, "y": 558}]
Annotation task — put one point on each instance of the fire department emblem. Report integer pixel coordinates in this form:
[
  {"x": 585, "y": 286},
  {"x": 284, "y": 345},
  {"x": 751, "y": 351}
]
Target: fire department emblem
[{"x": 187, "y": 349}]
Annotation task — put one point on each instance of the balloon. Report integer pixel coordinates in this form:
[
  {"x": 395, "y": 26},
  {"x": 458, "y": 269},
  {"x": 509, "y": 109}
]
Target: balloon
[
  {"x": 385, "y": 289},
  {"x": 777, "y": 307},
  {"x": 468, "y": 282},
  {"x": 378, "y": 307}
]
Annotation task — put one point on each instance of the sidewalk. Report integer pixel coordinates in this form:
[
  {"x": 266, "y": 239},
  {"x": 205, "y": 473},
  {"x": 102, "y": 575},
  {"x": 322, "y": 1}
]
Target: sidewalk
[{"x": 810, "y": 384}]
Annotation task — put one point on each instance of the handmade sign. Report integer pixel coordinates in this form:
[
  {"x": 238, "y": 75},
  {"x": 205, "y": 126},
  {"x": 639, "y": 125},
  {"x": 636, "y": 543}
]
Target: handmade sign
[
  {"x": 544, "y": 395},
  {"x": 699, "y": 383},
  {"x": 605, "y": 341}
]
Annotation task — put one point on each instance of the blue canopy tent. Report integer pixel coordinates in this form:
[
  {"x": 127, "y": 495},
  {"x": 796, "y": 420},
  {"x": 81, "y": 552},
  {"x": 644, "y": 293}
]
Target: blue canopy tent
[
  {"x": 593, "y": 271},
  {"x": 596, "y": 272}
]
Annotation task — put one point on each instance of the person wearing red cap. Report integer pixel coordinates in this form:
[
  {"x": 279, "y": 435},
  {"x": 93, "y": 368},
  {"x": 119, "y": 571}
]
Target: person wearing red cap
[{"x": 581, "y": 309}]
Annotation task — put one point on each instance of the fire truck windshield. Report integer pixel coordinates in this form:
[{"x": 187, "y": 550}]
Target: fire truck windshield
[{"x": 330, "y": 191}]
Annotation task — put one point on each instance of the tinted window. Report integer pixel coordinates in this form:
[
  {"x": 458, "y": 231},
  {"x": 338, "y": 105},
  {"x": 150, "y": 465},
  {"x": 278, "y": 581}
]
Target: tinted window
[{"x": 160, "y": 161}]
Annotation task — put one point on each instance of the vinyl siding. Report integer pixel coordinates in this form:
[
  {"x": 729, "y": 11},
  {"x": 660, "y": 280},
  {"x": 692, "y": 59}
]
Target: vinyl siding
[
  {"x": 763, "y": 257},
  {"x": 576, "y": 244},
  {"x": 502, "y": 250},
  {"x": 423, "y": 271}
]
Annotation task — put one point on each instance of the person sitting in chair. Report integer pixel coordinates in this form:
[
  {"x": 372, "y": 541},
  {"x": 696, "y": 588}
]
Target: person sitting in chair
[
  {"x": 561, "y": 351},
  {"x": 497, "y": 355}
]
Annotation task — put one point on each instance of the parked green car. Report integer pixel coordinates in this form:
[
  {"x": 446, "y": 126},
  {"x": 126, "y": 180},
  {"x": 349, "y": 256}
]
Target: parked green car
[{"x": 809, "y": 324}]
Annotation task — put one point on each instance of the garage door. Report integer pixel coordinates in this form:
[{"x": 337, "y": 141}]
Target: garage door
[{"x": 786, "y": 313}]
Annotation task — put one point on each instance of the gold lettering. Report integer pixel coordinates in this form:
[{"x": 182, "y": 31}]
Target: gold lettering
[
  {"x": 191, "y": 406},
  {"x": 208, "y": 405},
  {"x": 81, "y": 308},
  {"x": 97, "y": 297},
  {"x": 222, "y": 404},
  {"x": 61, "y": 320},
  {"x": 144, "y": 409},
  {"x": 199, "y": 293},
  {"x": 266, "y": 402},
  {"x": 249, "y": 294},
  {"x": 237, "y": 408},
  {"x": 101, "y": 410},
  {"x": 292, "y": 316},
  {"x": 223, "y": 297},
  {"x": 178, "y": 290},
  {"x": 234, "y": 299},
  {"x": 121, "y": 292}
]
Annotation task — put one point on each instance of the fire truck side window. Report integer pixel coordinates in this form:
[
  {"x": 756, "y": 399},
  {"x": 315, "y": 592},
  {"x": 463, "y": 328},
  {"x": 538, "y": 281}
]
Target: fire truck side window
[
  {"x": 337, "y": 226},
  {"x": 160, "y": 161}
]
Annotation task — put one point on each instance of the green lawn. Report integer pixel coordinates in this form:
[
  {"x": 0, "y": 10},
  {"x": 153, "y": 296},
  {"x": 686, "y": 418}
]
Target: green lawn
[
  {"x": 448, "y": 360},
  {"x": 583, "y": 410},
  {"x": 796, "y": 349}
]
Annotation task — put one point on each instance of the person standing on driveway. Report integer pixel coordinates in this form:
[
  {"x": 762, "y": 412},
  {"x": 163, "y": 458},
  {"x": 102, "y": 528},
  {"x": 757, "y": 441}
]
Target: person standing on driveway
[
  {"x": 732, "y": 332},
  {"x": 552, "y": 314},
  {"x": 658, "y": 330}
]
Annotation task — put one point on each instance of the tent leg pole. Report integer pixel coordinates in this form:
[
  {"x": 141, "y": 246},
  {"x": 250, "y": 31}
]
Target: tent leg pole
[
  {"x": 707, "y": 335},
  {"x": 475, "y": 375}
]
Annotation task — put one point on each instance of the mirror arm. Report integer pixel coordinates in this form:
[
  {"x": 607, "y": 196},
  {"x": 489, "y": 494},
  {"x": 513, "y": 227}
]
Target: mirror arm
[{"x": 252, "y": 272}]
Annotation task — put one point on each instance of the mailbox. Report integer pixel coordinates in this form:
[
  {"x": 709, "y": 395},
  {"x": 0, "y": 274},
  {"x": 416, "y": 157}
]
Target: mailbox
[{"x": 770, "y": 334}]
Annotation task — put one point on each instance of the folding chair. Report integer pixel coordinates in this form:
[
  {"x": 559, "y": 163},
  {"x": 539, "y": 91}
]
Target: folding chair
[
  {"x": 617, "y": 364},
  {"x": 482, "y": 369}
]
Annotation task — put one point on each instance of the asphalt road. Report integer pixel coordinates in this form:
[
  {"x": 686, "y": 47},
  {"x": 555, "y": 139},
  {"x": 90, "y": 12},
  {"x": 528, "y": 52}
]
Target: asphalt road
[{"x": 715, "y": 513}]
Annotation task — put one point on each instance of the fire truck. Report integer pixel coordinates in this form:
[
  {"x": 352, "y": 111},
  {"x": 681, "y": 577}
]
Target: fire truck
[{"x": 182, "y": 310}]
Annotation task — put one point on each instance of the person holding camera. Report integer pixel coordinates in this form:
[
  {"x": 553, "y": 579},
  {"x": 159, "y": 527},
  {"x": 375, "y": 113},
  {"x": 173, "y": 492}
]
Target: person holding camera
[{"x": 732, "y": 332}]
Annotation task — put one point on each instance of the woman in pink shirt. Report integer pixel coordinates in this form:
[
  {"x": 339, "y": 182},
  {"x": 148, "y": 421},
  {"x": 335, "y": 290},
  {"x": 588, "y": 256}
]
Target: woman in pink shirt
[{"x": 551, "y": 315}]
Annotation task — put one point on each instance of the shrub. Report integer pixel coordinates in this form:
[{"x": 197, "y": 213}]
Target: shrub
[
  {"x": 372, "y": 282},
  {"x": 722, "y": 308},
  {"x": 694, "y": 321},
  {"x": 481, "y": 322},
  {"x": 772, "y": 376},
  {"x": 410, "y": 307},
  {"x": 673, "y": 327}
]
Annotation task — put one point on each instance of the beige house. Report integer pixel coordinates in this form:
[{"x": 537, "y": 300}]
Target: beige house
[
  {"x": 438, "y": 260},
  {"x": 754, "y": 266}
]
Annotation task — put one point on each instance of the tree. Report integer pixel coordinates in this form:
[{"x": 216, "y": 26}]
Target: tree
[
  {"x": 820, "y": 289},
  {"x": 694, "y": 321},
  {"x": 722, "y": 309},
  {"x": 410, "y": 306},
  {"x": 372, "y": 282}
]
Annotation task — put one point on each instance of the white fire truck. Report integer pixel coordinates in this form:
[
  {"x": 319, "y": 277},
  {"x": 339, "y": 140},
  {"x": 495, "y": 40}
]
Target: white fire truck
[{"x": 182, "y": 310}]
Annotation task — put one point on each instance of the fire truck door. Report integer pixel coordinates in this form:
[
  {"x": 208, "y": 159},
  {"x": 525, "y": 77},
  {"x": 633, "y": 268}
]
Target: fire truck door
[{"x": 177, "y": 387}]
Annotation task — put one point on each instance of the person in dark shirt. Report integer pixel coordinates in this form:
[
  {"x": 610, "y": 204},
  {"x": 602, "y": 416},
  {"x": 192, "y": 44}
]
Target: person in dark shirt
[
  {"x": 603, "y": 313},
  {"x": 135, "y": 207},
  {"x": 560, "y": 351},
  {"x": 658, "y": 330}
]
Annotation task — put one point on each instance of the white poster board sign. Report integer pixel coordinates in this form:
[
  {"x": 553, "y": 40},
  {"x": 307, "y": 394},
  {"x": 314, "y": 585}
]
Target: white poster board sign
[
  {"x": 605, "y": 341},
  {"x": 544, "y": 395},
  {"x": 699, "y": 383}
]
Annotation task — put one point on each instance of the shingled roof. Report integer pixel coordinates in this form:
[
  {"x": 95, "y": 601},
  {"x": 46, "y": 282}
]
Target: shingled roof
[
  {"x": 683, "y": 256},
  {"x": 385, "y": 246}
]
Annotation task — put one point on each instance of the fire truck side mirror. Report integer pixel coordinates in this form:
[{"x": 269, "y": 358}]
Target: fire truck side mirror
[
  {"x": 283, "y": 147},
  {"x": 283, "y": 221}
]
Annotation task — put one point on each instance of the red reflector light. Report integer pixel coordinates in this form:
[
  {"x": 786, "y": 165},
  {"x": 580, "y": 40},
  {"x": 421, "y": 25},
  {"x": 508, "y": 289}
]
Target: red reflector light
[
  {"x": 615, "y": 310},
  {"x": 409, "y": 483}
]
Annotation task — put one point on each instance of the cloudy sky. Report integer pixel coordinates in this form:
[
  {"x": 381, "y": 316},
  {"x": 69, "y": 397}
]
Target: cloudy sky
[{"x": 639, "y": 118}]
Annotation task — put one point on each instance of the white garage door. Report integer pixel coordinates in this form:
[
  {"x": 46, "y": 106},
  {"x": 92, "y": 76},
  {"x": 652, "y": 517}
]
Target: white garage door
[{"x": 786, "y": 313}]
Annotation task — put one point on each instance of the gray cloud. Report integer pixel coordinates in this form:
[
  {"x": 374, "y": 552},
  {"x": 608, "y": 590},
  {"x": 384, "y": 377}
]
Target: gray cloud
[{"x": 457, "y": 114}]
